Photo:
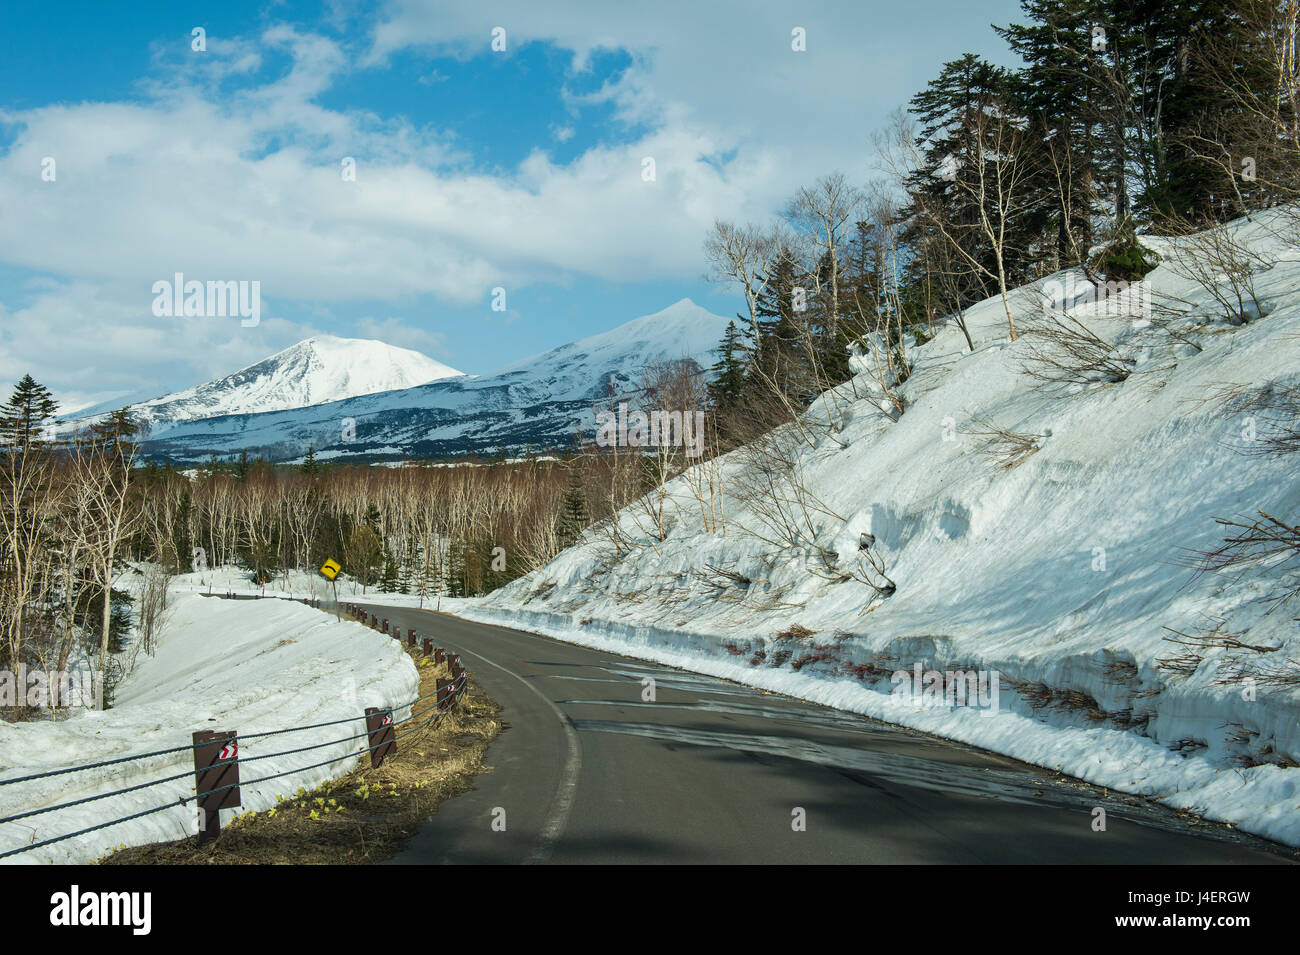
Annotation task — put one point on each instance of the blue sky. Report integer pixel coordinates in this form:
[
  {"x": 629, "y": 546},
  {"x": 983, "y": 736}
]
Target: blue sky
[{"x": 476, "y": 168}]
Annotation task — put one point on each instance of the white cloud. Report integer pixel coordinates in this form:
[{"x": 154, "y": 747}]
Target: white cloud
[
  {"x": 395, "y": 331},
  {"x": 220, "y": 181}
]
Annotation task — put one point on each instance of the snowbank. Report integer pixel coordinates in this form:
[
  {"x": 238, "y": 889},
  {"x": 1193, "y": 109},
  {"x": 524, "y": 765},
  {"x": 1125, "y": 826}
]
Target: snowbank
[
  {"x": 1058, "y": 574},
  {"x": 249, "y": 666}
]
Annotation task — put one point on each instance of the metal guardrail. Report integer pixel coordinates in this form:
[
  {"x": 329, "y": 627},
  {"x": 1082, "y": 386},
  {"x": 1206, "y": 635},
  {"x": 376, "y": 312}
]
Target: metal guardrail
[{"x": 217, "y": 759}]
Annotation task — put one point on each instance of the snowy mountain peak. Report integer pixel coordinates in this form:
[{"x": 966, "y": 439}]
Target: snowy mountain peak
[
  {"x": 314, "y": 371},
  {"x": 694, "y": 328},
  {"x": 575, "y": 370}
]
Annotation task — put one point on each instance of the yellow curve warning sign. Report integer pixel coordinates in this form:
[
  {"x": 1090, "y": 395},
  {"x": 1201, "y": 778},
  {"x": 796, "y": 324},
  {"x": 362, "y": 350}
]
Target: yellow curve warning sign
[{"x": 330, "y": 569}]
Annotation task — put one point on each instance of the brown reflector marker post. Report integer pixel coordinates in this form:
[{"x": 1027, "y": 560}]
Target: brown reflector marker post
[
  {"x": 379, "y": 724},
  {"x": 211, "y": 750}
]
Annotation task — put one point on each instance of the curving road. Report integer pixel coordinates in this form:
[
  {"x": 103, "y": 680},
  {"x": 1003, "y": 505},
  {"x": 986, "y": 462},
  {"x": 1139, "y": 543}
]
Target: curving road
[{"x": 712, "y": 772}]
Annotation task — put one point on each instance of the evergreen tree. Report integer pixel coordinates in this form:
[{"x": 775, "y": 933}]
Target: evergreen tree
[
  {"x": 781, "y": 361},
  {"x": 1063, "y": 90},
  {"x": 24, "y": 417},
  {"x": 363, "y": 554},
  {"x": 1199, "y": 115},
  {"x": 956, "y": 111},
  {"x": 388, "y": 581},
  {"x": 309, "y": 464},
  {"x": 573, "y": 516},
  {"x": 728, "y": 378}
]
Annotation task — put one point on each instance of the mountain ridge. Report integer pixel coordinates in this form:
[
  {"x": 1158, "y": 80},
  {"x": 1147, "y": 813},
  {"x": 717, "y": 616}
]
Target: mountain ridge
[
  {"x": 316, "y": 370},
  {"x": 535, "y": 402}
]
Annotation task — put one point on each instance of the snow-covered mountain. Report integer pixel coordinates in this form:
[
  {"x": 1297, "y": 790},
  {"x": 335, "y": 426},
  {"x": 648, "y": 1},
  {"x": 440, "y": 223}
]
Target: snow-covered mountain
[
  {"x": 537, "y": 402},
  {"x": 314, "y": 371}
]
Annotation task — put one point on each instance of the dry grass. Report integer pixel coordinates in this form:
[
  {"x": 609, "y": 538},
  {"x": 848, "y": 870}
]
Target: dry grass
[
  {"x": 1005, "y": 447},
  {"x": 795, "y": 632},
  {"x": 361, "y": 818}
]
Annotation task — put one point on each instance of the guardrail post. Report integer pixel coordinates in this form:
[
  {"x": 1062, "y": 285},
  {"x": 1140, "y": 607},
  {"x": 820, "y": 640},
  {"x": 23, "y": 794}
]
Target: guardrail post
[
  {"x": 458, "y": 673},
  {"x": 446, "y": 699},
  {"x": 216, "y": 766},
  {"x": 410, "y": 637},
  {"x": 439, "y": 655},
  {"x": 428, "y": 648},
  {"x": 379, "y": 724}
]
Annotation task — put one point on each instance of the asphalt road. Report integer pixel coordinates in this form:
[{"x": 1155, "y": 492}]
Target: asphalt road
[{"x": 714, "y": 772}]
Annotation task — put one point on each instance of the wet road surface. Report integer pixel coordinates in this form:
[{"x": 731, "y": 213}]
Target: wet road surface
[{"x": 715, "y": 772}]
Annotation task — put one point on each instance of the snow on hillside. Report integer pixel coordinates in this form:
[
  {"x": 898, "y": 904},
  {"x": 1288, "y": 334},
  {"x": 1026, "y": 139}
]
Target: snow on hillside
[
  {"x": 249, "y": 666},
  {"x": 312, "y": 372},
  {"x": 532, "y": 403},
  {"x": 1059, "y": 574}
]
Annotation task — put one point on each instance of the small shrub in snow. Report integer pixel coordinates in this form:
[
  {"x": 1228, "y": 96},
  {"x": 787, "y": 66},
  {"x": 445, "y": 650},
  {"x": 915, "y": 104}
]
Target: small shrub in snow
[
  {"x": 1224, "y": 265},
  {"x": 1270, "y": 416},
  {"x": 721, "y": 580},
  {"x": 1005, "y": 447},
  {"x": 1065, "y": 351},
  {"x": 1126, "y": 259},
  {"x": 1267, "y": 541}
]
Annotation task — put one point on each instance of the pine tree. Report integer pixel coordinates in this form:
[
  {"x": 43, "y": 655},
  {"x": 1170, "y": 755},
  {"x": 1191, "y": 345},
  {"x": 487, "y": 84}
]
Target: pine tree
[
  {"x": 388, "y": 580},
  {"x": 117, "y": 430},
  {"x": 363, "y": 554},
  {"x": 728, "y": 378},
  {"x": 1063, "y": 91},
  {"x": 573, "y": 516},
  {"x": 309, "y": 464},
  {"x": 781, "y": 361},
  {"x": 1199, "y": 115},
  {"x": 972, "y": 200},
  {"x": 948, "y": 111},
  {"x": 29, "y": 410}
]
